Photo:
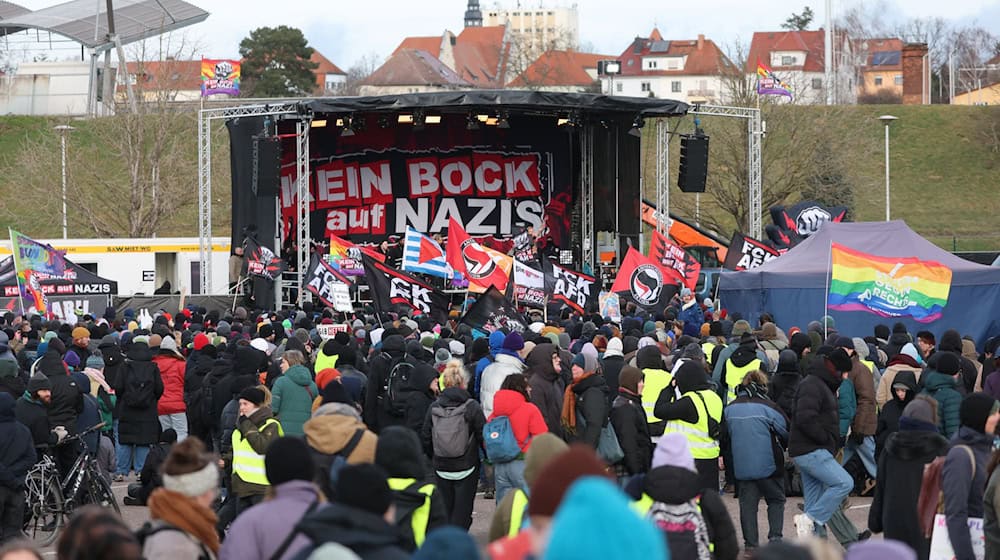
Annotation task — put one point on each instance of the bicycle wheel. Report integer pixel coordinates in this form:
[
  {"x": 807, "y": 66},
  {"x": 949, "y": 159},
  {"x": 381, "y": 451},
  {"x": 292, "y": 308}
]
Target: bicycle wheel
[
  {"x": 99, "y": 492},
  {"x": 44, "y": 507}
]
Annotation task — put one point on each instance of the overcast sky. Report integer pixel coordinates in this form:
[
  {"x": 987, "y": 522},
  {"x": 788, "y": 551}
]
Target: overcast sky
[{"x": 345, "y": 31}]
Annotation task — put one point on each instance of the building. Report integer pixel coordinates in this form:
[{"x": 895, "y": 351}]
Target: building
[
  {"x": 563, "y": 71},
  {"x": 692, "y": 71},
  {"x": 537, "y": 30},
  {"x": 798, "y": 59},
  {"x": 162, "y": 80},
  {"x": 330, "y": 79},
  {"x": 985, "y": 95},
  {"x": 880, "y": 69},
  {"x": 411, "y": 71},
  {"x": 46, "y": 88}
]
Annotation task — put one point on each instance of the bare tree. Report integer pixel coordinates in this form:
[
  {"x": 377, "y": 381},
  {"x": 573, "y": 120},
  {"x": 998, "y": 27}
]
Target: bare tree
[{"x": 358, "y": 72}]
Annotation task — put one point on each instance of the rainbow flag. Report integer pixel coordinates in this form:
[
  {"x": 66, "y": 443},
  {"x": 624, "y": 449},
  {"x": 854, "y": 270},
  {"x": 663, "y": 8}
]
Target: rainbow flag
[
  {"x": 887, "y": 286},
  {"x": 34, "y": 262},
  {"x": 769, "y": 84}
]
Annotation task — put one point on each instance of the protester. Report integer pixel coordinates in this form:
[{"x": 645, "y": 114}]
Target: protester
[
  {"x": 691, "y": 408},
  {"x": 17, "y": 455},
  {"x": 629, "y": 421},
  {"x": 785, "y": 381},
  {"x": 418, "y": 505},
  {"x": 150, "y": 478},
  {"x": 508, "y": 361},
  {"x": 904, "y": 390},
  {"x": 585, "y": 402},
  {"x": 905, "y": 360},
  {"x": 941, "y": 383},
  {"x": 95, "y": 533},
  {"x": 293, "y": 393},
  {"x": 656, "y": 378},
  {"x": 511, "y": 515},
  {"x": 512, "y": 401},
  {"x": 255, "y": 431},
  {"x": 30, "y": 410},
  {"x": 336, "y": 430},
  {"x": 170, "y": 407},
  {"x": 543, "y": 366},
  {"x": 861, "y": 439},
  {"x": 138, "y": 389},
  {"x": 612, "y": 363}
]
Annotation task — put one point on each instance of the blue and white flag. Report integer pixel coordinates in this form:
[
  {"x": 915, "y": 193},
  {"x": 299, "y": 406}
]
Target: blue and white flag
[{"x": 424, "y": 255}]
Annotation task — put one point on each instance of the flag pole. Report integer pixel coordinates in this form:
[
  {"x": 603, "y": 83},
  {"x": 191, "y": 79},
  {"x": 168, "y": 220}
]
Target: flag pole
[
  {"x": 17, "y": 276},
  {"x": 826, "y": 299}
]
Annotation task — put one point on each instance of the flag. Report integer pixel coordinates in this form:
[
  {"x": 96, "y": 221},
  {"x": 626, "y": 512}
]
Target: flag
[
  {"x": 261, "y": 261},
  {"x": 887, "y": 286},
  {"x": 220, "y": 76},
  {"x": 746, "y": 253},
  {"x": 392, "y": 290},
  {"x": 345, "y": 257},
  {"x": 769, "y": 84},
  {"x": 575, "y": 289},
  {"x": 423, "y": 254},
  {"x": 643, "y": 282},
  {"x": 675, "y": 260},
  {"x": 321, "y": 278},
  {"x": 529, "y": 284},
  {"x": 482, "y": 266},
  {"x": 492, "y": 311},
  {"x": 34, "y": 262}
]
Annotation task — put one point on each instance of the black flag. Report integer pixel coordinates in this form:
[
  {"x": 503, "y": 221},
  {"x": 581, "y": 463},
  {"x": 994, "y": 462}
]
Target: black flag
[
  {"x": 493, "y": 312},
  {"x": 321, "y": 277},
  {"x": 746, "y": 253},
  {"x": 262, "y": 261},
  {"x": 575, "y": 289},
  {"x": 392, "y": 290}
]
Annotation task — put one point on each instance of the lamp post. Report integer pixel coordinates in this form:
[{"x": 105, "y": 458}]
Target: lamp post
[
  {"x": 63, "y": 129},
  {"x": 887, "y": 120}
]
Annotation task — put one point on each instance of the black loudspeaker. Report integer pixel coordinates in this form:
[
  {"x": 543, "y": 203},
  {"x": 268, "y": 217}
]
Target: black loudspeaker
[
  {"x": 265, "y": 166},
  {"x": 694, "y": 163}
]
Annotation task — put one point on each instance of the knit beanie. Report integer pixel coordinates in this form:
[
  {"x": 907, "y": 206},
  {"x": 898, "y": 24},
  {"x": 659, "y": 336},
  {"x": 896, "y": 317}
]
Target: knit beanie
[
  {"x": 919, "y": 414},
  {"x": 860, "y": 348},
  {"x": 39, "y": 382},
  {"x": 447, "y": 542},
  {"x": 948, "y": 363},
  {"x": 288, "y": 458},
  {"x": 629, "y": 378},
  {"x": 513, "y": 342},
  {"x": 253, "y": 395},
  {"x": 80, "y": 332},
  {"x": 672, "y": 450},
  {"x": 975, "y": 409},
  {"x": 200, "y": 341},
  {"x": 586, "y": 362},
  {"x": 71, "y": 359},
  {"x": 364, "y": 487},
  {"x": 95, "y": 361},
  {"x": 544, "y": 448},
  {"x": 597, "y": 522},
  {"x": 325, "y": 376},
  {"x": 557, "y": 476},
  {"x": 335, "y": 392},
  {"x": 614, "y": 348}
]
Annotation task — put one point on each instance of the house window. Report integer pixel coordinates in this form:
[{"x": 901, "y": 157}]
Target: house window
[
  {"x": 645, "y": 86},
  {"x": 675, "y": 86},
  {"x": 817, "y": 83},
  {"x": 618, "y": 87},
  {"x": 787, "y": 60},
  {"x": 898, "y": 80},
  {"x": 878, "y": 80},
  {"x": 674, "y": 64},
  {"x": 650, "y": 64}
]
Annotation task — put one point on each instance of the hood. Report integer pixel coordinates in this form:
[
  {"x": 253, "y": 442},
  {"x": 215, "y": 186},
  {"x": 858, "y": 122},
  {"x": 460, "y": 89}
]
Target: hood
[
  {"x": 300, "y": 375},
  {"x": 539, "y": 361},
  {"x": 454, "y": 396},
  {"x": 8, "y": 368},
  {"x": 140, "y": 352},
  {"x": 351, "y": 527},
  {"x": 420, "y": 377},
  {"x": 969, "y": 350},
  {"x": 899, "y": 339},
  {"x": 691, "y": 376},
  {"x": 788, "y": 361},
  {"x": 743, "y": 355},
  {"x": 496, "y": 341},
  {"x": 908, "y": 378},
  {"x": 916, "y": 445},
  {"x": 903, "y": 360},
  {"x": 248, "y": 360},
  {"x": 506, "y": 402},
  {"x": 671, "y": 485},
  {"x": 329, "y": 433},
  {"x": 394, "y": 345},
  {"x": 6, "y": 407},
  {"x": 934, "y": 380},
  {"x": 596, "y": 380},
  {"x": 544, "y": 447},
  {"x": 649, "y": 357},
  {"x": 950, "y": 341}
]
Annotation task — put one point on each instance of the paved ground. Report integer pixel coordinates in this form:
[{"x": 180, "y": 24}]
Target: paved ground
[{"x": 483, "y": 511}]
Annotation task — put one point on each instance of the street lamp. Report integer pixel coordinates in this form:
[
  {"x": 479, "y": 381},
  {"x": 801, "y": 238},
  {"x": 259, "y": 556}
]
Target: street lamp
[
  {"x": 63, "y": 129},
  {"x": 887, "y": 120}
]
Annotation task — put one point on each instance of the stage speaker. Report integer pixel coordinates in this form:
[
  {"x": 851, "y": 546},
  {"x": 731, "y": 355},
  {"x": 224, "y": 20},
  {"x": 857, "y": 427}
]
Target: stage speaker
[
  {"x": 694, "y": 163},
  {"x": 265, "y": 166}
]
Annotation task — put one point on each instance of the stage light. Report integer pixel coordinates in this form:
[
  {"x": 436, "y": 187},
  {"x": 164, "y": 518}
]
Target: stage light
[
  {"x": 573, "y": 119},
  {"x": 636, "y": 129},
  {"x": 432, "y": 119},
  {"x": 492, "y": 121},
  {"x": 562, "y": 122},
  {"x": 471, "y": 122},
  {"x": 319, "y": 123},
  {"x": 504, "y": 121},
  {"x": 405, "y": 119}
]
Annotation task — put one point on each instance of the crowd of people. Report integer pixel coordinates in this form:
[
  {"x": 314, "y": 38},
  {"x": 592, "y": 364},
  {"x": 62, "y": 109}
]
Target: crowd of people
[{"x": 251, "y": 436}]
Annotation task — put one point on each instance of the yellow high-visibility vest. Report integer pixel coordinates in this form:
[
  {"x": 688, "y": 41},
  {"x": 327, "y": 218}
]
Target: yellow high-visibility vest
[
  {"x": 517, "y": 509},
  {"x": 708, "y": 348},
  {"x": 247, "y": 463},
  {"x": 656, "y": 381},
  {"x": 324, "y": 362},
  {"x": 422, "y": 515},
  {"x": 868, "y": 364},
  {"x": 735, "y": 375},
  {"x": 702, "y": 445}
]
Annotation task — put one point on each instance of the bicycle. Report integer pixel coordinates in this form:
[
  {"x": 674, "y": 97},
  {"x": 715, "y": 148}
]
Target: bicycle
[{"x": 51, "y": 499}]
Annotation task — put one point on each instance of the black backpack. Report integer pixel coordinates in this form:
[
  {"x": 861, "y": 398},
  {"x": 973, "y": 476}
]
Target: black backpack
[
  {"x": 397, "y": 378},
  {"x": 329, "y": 465},
  {"x": 140, "y": 386}
]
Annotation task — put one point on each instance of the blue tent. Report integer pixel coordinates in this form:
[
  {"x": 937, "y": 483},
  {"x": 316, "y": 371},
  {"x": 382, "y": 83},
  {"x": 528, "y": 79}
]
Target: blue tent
[{"x": 793, "y": 287}]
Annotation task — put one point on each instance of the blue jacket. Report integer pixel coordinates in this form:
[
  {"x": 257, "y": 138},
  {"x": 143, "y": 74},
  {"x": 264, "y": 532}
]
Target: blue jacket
[
  {"x": 847, "y": 405},
  {"x": 692, "y": 316},
  {"x": 749, "y": 423}
]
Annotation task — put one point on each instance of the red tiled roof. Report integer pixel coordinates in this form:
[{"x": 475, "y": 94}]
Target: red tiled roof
[
  {"x": 325, "y": 66},
  {"x": 481, "y": 55},
  {"x": 411, "y": 67},
  {"x": 868, "y": 47},
  {"x": 559, "y": 68},
  {"x": 766, "y": 42},
  {"x": 430, "y": 45},
  {"x": 166, "y": 75},
  {"x": 708, "y": 60}
]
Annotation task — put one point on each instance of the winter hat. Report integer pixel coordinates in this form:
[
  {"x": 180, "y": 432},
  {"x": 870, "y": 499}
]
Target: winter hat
[
  {"x": 715, "y": 329},
  {"x": 442, "y": 356},
  {"x": 253, "y": 395},
  {"x": 335, "y": 392},
  {"x": 614, "y": 348},
  {"x": 629, "y": 378},
  {"x": 672, "y": 450},
  {"x": 155, "y": 340},
  {"x": 841, "y": 361},
  {"x": 564, "y": 340},
  {"x": 880, "y": 550},
  {"x": 364, "y": 487},
  {"x": 513, "y": 342},
  {"x": 920, "y": 414},
  {"x": 200, "y": 341},
  {"x": 706, "y": 328},
  {"x": 586, "y": 362},
  {"x": 544, "y": 448},
  {"x": 860, "y": 348},
  {"x": 882, "y": 332},
  {"x": 975, "y": 409},
  {"x": 302, "y": 335},
  {"x": 456, "y": 348},
  {"x": 39, "y": 382},
  {"x": 259, "y": 344},
  {"x": 71, "y": 359},
  {"x": 557, "y": 476},
  {"x": 169, "y": 344},
  {"x": 827, "y": 321},
  {"x": 788, "y": 360},
  {"x": 613, "y": 530},
  {"x": 325, "y": 376},
  {"x": 80, "y": 332},
  {"x": 265, "y": 330},
  {"x": 333, "y": 551},
  {"x": 447, "y": 542},
  {"x": 95, "y": 361},
  {"x": 188, "y": 471},
  {"x": 948, "y": 363},
  {"x": 288, "y": 458},
  {"x": 843, "y": 342}
]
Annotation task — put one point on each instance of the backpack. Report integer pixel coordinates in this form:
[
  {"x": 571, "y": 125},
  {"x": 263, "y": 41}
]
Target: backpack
[
  {"x": 338, "y": 460},
  {"x": 450, "y": 432},
  {"x": 149, "y": 529},
  {"x": 139, "y": 386},
  {"x": 501, "y": 444},
  {"x": 397, "y": 378},
  {"x": 684, "y": 528},
  {"x": 931, "y": 500}
]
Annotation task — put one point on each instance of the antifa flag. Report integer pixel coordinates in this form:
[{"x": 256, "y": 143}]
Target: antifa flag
[
  {"x": 746, "y": 253},
  {"x": 575, "y": 289},
  {"x": 675, "y": 260},
  {"x": 643, "y": 282},
  {"x": 482, "y": 266},
  {"x": 321, "y": 277},
  {"x": 392, "y": 289},
  {"x": 798, "y": 222},
  {"x": 261, "y": 261},
  {"x": 493, "y": 312}
]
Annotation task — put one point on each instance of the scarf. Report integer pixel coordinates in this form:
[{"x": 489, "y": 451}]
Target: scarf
[
  {"x": 568, "y": 416},
  {"x": 754, "y": 391},
  {"x": 182, "y": 512},
  {"x": 98, "y": 376}
]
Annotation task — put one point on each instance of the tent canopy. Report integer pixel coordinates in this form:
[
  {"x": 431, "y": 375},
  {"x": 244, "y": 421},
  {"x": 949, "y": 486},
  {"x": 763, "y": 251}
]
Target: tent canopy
[{"x": 793, "y": 286}]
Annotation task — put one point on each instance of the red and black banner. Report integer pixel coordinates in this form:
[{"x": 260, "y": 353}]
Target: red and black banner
[
  {"x": 320, "y": 278},
  {"x": 395, "y": 291},
  {"x": 746, "y": 253},
  {"x": 261, "y": 261},
  {"x": 675, "y": 260},
  {"x": 492, "y": 311},
  {"x": 575, "y": 289},
  {"x": 642, "y": 281},
  {"x": 795, "y": 223}
]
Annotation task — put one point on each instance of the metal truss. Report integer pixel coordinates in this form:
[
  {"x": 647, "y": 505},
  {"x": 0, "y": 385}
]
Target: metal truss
[
  {"x": 587, "y": 194},
  {"x": 663, "y": 176},
  {"x": 302, "y": 173}
]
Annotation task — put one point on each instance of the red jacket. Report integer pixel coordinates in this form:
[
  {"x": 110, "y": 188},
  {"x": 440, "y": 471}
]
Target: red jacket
[
  {"x": 172, "y": 373},
  {"x": 525, "y": 418}
]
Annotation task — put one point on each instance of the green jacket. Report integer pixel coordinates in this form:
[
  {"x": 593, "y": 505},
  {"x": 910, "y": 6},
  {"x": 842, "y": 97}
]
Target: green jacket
[
  {"x": 847, "y": 405},
  {"x": 942, "y": 388},
  {"x": 292, "y": 398}
]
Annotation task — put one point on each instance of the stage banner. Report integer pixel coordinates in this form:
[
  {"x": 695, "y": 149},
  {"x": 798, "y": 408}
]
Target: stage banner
[
  {"x": 220, "y": 76},
  {"x": 261, "y": 261},
  {"x": 528, "y": 281},
  {"x": 492, "y": 311},
  {"x": 66, "y": 309},
  {"x": 746, "y": 253},
  {"x": 642, "y": 281},
  {"x": 575, "y": 289},
  {"x": 675, "y": 260},
  {"x": 387, "y": 177},
  {"x": 322, "y": 280},
  {"x": 392, "y": 290}
]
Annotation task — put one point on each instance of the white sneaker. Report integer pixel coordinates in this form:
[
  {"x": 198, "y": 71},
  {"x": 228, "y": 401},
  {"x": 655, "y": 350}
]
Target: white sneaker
[{"x": 803, "y": 526}]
